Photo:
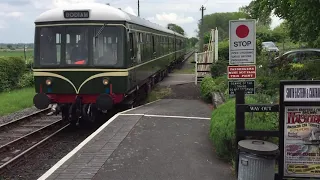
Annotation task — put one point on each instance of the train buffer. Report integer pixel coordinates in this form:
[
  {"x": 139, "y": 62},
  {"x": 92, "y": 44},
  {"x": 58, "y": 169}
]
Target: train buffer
[{"x": 164, "y": 140}]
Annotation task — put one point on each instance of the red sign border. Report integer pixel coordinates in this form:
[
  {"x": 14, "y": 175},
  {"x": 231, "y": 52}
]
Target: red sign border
[{"x": 255, "y": 67}]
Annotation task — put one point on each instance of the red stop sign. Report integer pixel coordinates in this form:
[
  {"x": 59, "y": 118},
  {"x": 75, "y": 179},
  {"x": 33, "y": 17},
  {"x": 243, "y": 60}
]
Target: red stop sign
[{"x": 242, "y": 31}]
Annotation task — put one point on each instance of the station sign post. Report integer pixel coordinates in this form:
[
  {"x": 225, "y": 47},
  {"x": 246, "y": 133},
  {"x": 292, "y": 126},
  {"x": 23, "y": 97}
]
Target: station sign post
[{"x": 242, "y": 55}]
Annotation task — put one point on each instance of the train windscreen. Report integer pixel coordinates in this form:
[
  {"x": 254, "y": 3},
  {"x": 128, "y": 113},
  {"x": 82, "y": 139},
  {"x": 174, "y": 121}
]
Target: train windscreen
[{"x": 72, "y": 45}]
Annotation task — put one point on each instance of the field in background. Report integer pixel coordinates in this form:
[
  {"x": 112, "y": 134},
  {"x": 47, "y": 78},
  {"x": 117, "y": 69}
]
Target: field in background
[{"x": 16, "y": 53}]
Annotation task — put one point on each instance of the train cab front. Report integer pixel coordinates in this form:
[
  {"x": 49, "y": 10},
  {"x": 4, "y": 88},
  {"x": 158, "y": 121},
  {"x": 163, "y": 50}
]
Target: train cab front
[{"x": 80, "y": 68}]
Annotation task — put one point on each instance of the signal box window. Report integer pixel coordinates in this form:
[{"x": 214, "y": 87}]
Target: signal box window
[{"x": 50, "y": 45}]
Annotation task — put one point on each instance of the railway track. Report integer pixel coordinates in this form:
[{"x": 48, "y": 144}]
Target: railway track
[{"x": 21, "y": 137}]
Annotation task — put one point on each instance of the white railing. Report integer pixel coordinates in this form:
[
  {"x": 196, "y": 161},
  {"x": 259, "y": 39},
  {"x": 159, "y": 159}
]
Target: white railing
[
  {"x": 204, "y": 60},
  {"x": 203, "y": 64}
]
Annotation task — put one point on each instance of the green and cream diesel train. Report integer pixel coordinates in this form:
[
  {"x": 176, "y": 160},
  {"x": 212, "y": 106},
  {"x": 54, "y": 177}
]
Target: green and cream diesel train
[{"x": 89, "y": 57}]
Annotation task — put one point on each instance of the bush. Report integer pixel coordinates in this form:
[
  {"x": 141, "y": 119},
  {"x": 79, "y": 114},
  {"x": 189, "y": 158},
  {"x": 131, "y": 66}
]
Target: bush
[
  {"x": 11, "y": 69},
  {"x": 219, "y": 68},
  {"x": 26, "y": 80},
  {"x": 207, "y": 87},
  {"x": 222, "y": 128},
  {"x": 223, "y": 50}
]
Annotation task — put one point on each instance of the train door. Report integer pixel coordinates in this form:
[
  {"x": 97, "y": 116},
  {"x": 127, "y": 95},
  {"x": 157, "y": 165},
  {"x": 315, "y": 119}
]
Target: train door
[
  {"x": 154, "y": 53},
  {"x": 175, "y": 47},
  {"x": 133, "y": 56},
  {"x": 138, "y": 42}
]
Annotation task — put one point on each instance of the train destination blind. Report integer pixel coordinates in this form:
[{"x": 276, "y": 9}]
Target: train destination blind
[
  {"x": 76, "y": 14},
  {"x": 302, "y": 92}
]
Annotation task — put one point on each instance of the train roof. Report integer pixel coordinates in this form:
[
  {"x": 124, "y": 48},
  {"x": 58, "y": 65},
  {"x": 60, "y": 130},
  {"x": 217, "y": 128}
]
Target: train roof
[{"x": 99, "y": 12}]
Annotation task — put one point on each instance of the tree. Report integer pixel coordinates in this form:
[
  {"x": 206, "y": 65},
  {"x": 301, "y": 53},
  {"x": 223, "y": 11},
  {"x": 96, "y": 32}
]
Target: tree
[
  {"x": 176, "y": 28},
  {"x": 302, "y": 19},
  {"x": 221, "y": 21},
  {"x": 192, "y": 41},
  {"x": 263, "y": 19}
]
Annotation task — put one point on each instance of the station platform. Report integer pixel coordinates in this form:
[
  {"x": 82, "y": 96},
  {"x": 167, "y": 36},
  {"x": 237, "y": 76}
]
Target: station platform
[{"x": 164, "y": 140}]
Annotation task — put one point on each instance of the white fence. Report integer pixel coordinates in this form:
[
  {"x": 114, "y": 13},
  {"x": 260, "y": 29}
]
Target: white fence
[
  {"x": 204, "y": 60},
  {"x": 203, "y": 65}
]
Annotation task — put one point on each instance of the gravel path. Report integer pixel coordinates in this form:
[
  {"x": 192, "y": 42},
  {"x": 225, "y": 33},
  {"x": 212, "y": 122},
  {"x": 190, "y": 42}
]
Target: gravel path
[
  {"x": 184, "y": 91},
  {"x": 17, "y": 115}
]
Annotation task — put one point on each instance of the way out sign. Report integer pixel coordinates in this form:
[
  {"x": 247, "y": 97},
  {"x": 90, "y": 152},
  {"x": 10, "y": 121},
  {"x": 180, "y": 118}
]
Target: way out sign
[{"x": 242, "y": 42}]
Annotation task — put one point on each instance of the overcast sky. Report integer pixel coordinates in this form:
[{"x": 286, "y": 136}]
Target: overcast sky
[{"x": 17, "y": 16}]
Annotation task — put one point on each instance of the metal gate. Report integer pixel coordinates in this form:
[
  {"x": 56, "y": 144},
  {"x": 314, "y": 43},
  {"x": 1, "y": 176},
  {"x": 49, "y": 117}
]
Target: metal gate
[{"x": 204, "y": 60}]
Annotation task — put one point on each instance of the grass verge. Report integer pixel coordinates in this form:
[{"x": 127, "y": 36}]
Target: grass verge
[
  {"x": 16, "y": 100},
  {"x": 158, "y": 93}
]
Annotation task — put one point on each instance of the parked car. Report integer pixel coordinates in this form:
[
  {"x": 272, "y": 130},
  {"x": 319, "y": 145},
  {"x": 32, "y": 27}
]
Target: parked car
[
  {"x": 270, "y": 47},
  {"x": 299, "y": 55},
  {"x": 296, "y": 56}
]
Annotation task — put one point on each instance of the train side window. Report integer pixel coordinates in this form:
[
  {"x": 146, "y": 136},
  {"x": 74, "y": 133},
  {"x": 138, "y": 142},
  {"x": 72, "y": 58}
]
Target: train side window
[
  {"x": 153, "y": 44},
  {"x": 140, "y": 37}
]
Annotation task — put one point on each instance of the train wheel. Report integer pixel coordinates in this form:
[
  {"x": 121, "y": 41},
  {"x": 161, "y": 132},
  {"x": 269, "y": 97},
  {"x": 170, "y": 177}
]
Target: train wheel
[{"x": 72, "y": 116}]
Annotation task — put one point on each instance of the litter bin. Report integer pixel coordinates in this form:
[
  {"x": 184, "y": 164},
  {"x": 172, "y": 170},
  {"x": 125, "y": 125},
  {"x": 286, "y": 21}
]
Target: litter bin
[{"x": 257, "y": 160}]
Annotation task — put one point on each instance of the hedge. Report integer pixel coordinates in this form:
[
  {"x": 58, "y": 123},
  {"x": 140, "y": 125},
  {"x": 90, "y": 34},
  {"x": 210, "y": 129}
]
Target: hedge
[
  {"x": 222, "y": 128},
  {"x": 14, "y": 74}
]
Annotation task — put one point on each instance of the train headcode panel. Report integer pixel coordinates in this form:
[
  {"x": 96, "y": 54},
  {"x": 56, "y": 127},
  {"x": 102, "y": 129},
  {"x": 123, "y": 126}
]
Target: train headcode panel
[
  {"x": 302, "y": 92},
  {"x": 76, "y": 14}
]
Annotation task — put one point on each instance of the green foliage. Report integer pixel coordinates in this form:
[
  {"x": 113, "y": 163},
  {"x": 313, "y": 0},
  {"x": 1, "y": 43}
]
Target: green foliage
[
  {"x": 252, "y": 10},
  {"x": 11, "y": 69},
  {"x": 176, "y": 28},
  {"x": 221, "y": 21},
  {"x": 209, "y": 85},
  {"x": 222, "y": 126},
  {"x": 265, "y": 34},
  {"x": 219, "y": 68},
  {"x": 223, "y": 50},
  {"x": 301, "y": 17},
  {"x": 206, "y": 88},
  {"x": 192, "y": 41},
  {"x": 26, "y": 80}
]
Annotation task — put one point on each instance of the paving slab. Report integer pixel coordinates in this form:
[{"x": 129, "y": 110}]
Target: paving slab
[
  {"x": 167, "y": 139},
  {"x": 175, "y": 107},
  {"x": 175, "y": 79},
  {"x": 167, "y": 149}
]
